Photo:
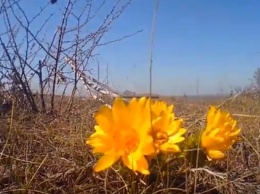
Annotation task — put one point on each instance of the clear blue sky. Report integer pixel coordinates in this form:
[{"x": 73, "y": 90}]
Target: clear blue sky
[{"x": 215, "y": 43}]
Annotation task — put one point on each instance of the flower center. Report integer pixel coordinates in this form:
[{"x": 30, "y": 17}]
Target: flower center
[
  {"x": 131, "y": 141},
  {"x": 127, "y": 140},
  {"x": 160, "y": 137}
]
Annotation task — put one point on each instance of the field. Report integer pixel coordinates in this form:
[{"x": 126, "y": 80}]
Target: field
[{"x": 41, "y": 154}]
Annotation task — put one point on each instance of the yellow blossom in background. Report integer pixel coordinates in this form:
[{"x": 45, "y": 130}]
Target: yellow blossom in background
[
  {"x": 220, "y": 134},
  {"x": 167, "y": 131},
  {"x": 160, "y": 107},
  {"x": 123, "y": 132}
]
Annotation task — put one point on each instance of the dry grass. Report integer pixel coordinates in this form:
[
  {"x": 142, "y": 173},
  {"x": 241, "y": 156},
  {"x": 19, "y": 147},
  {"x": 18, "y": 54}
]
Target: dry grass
[{"x": 45, "y": 155}]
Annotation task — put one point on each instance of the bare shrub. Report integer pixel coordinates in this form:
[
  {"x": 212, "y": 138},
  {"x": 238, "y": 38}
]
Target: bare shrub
[{"x": 32, "y": 58}]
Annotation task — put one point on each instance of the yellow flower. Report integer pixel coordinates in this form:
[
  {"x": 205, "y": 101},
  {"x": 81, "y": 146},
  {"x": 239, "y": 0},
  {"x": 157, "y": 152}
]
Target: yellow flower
[
  {"x": 220, "y": 134},
  {"x": 160, "y": 107},
  {"x": 167, "y": 130},
  {"x": 122, "y": 132}
]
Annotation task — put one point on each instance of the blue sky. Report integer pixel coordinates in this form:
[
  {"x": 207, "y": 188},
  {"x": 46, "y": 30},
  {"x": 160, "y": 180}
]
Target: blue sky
[{"x": 214, "y": 45}]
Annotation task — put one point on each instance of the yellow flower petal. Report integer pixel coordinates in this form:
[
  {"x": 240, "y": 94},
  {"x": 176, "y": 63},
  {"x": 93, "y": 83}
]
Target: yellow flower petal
[
  {"x": 170, "y": 147},
  {"x": 119, "y": 110},
  {"x": 106, "y": 161},
  {"x": 134, "y": 163},
  {"x": 182, "y": 131},
  {"x": 235, "y": 133},
  {"x": 104, "y": 118},
  {"x": 148, "y": 146},
  {"x": 210, "y": 116},
  {"x": 215, "y": 154},
  {"x": 176, "y": 139},
  {"x": 142, "y": 101},
  {"x": 142, "y": 166},
  {"x": 175, "y": 126}
]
